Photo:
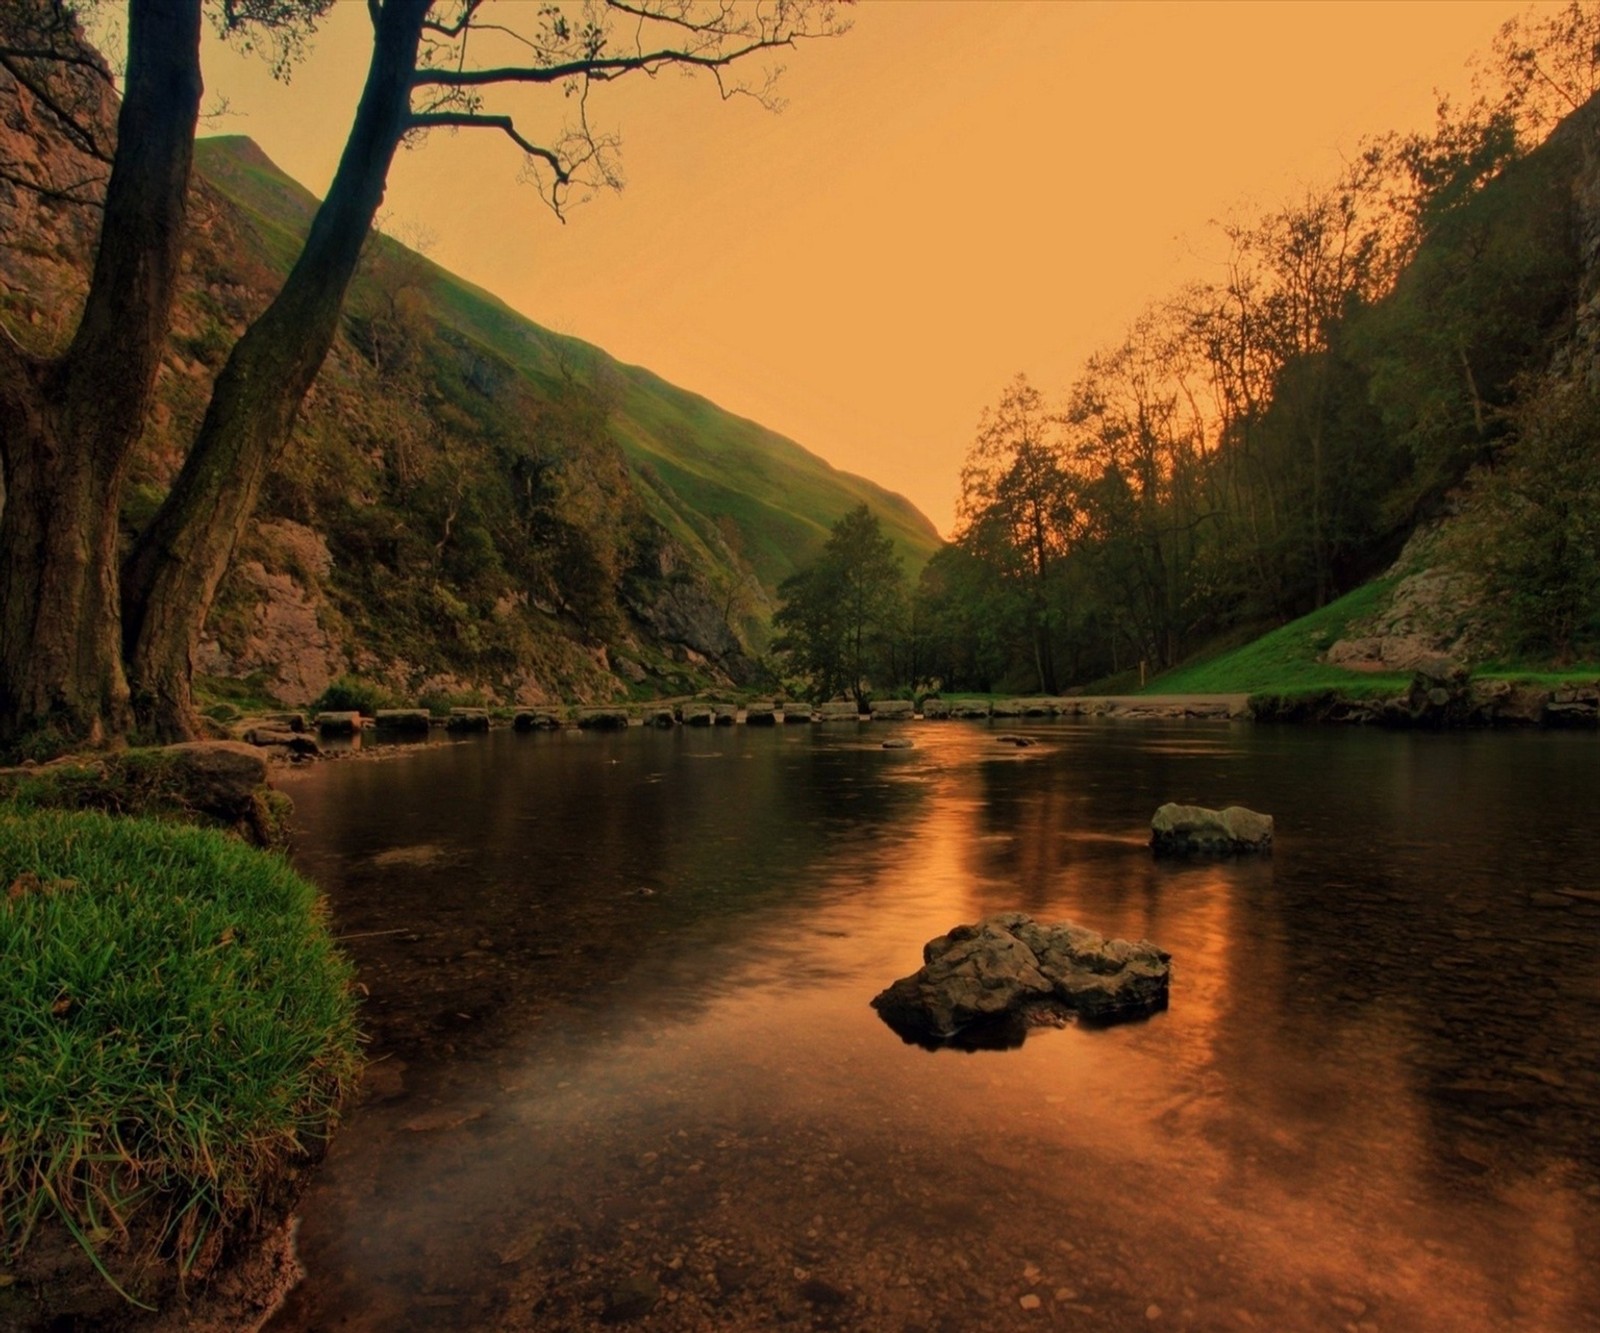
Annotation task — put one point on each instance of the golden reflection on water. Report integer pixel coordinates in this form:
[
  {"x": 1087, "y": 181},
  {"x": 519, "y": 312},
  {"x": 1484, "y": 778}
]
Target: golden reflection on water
[{"x": 1269, "y": 1153}]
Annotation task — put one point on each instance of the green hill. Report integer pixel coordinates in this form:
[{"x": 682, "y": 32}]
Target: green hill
[{"x": 695, "y": 461}]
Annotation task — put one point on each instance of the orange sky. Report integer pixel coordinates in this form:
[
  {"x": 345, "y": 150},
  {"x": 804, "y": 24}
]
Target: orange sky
[{"x": 955, "y": 192}]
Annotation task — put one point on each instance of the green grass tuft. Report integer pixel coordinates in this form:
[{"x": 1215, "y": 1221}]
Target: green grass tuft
[{"x": 178, "y": 1029}]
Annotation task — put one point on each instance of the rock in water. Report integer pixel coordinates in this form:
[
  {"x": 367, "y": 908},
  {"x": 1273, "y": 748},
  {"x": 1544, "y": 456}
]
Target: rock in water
[
  {"x": 986, "y": 984},
  {"x": 1177, "y": 829}
]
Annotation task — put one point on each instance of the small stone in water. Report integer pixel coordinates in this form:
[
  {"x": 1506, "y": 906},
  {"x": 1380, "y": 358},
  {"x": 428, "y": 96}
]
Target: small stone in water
[
  {"x": 1029, "y": 1302},
  {"x": 1152, "y": 1311},
  {"x": 1065, "y": 1294},
  {"x": 1031, "y": 1273}
]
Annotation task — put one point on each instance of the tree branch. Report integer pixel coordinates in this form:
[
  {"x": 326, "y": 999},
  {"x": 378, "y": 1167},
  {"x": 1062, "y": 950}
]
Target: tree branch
[
  {"x": 598, "y": 70},
  {"x": 465, "y": 120}
]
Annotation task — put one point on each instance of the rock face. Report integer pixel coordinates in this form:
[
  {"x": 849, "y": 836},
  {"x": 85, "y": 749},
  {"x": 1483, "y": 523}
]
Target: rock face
[
  {"x": 985, "y": 985},
  {"x": 1180, "y": 829}
]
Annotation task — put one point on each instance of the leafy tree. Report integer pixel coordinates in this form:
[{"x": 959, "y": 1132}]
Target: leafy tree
[
  {"x": 1532, "y": 529},
  {"x": 1017, "y": 512},
  {"x": 841, "y": 616},
  {"x": 87, "y": 643}
]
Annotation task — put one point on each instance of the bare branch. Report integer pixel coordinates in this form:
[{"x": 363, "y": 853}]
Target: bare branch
[
  {"x": 430, "y": 120},
  {"x": 598, "y": 70}
]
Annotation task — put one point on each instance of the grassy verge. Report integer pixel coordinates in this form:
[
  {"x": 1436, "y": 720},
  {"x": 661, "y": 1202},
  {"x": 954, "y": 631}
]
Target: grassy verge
[
  {"x": 178, "y": 1032},
  {"x": 1284, "y": 661}
]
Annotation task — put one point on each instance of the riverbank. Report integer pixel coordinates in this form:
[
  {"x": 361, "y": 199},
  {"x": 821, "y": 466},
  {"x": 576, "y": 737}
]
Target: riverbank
[{"x": 180, "y": 1035}]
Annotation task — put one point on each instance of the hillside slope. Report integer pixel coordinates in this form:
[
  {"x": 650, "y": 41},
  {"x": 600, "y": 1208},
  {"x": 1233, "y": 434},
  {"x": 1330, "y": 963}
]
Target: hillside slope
[
  {"x": 696, "y": 462},
  {"x": 471, "y": 506}
]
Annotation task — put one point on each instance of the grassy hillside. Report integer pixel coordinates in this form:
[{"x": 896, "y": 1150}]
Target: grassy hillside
[
  {"x": 717, "y": 482},
  {"x": 1286, "y": 659}
]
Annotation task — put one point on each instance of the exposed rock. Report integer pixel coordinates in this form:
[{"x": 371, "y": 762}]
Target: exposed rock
[
  {"x": 468, "y": 719},
  {"x": 762, "y": 714},
  {"x": 840, "y": 710},
  {"x": 1007, "y": 708},
  {"x": 795, "y": 712},
  {"x": 532, "y": 719},
  {"x": 1010, "y": 738},
  {"x": 935, "y": 709},
  {"x": 1177, "y": 829},
  {"x": 339, "y": 723},
  {"x": 279, "y": 631},
  {"x": 1432, "y": 618},
  {"x": 894, "y": 710},
  {"x": 698, "y": 715},
  {"x": 603, "y": 719},
  {"x": 986, "y": 984},
  {"x": 293, "y": 742},
  {"x": 408, "y": 720},
  {"x": 725, "y": 715},
  {"x": 969, "y": 708},
  {"x": 661, "y": 717},
  {"x": 897, "y": 743}
]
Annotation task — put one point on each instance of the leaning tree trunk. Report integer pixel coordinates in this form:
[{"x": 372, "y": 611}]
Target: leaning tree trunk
[
  {"x": 68, "y": 426},
  {"x": 172, "y": 575}
]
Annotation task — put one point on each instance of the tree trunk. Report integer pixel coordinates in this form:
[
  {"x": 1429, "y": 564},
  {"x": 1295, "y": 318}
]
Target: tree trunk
[
  {"x": 68, "y": 427},
  {"x": 172, "y": 575}
]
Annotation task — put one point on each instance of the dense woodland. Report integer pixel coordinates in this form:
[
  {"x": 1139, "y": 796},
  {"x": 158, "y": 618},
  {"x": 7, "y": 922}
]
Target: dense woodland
[{"x": 1399, "y": 344}]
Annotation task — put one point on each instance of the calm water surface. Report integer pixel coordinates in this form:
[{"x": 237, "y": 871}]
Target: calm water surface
[{"x": 627, "y": 1072}]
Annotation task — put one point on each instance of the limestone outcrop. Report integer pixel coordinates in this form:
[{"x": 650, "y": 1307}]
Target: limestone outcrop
[
  {"x": 1179, "y": 829},
  {"x": 987, "y": 984}
]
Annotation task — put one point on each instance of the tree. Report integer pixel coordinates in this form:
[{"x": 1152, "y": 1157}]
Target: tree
[
  {"x": 89, "y": 645},
  {"x": 840, "y": 615},
  {"x": 1017, "y": 510}
]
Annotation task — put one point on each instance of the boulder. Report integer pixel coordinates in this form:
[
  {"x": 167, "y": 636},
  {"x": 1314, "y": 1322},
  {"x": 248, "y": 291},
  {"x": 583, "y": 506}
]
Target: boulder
[
  {"x": 761, "y": 714},
  {"x": 1007, "y": 708},
  {"x": 1177, "y": 829},
  {"x": 725, "y": 715},
  {"x": 986, "y": 984},
  {"x": 794, "y": 712},
  {"x": 535, "y": 719},
  {"x": 840, "y": 710},
  {"x": 292, "y": 741},
  {"x": 969, "y": 708},
  {"x": 293, "y": 721},
  {"x": 662, "y": 717},
  {"x": 935, "y": 709},
  {"x": 468, "y": 719},
  {"x": 339, "y": 723},
  {"x": 698, "y": 715},
  {"x": 409, "y": 721},
  {"x": 894, "y": 710},
  {"x": 897, "y": 743},
  {"x": 603, "y": 719}
]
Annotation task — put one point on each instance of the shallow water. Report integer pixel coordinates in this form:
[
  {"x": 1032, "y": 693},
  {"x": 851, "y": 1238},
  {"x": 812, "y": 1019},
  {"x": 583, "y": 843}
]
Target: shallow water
[{"x": 627, "y": 1070}]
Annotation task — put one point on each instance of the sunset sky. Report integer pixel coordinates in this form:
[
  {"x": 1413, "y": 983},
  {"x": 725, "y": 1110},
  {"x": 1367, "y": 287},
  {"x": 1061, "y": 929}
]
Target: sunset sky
[{"x": 955, "y": 192}]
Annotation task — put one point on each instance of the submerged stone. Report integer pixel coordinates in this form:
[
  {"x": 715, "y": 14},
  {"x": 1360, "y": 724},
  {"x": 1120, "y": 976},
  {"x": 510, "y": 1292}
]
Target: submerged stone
[
  {"x": 985, "y": 985},
  {"x": 1178, "y": 829}
]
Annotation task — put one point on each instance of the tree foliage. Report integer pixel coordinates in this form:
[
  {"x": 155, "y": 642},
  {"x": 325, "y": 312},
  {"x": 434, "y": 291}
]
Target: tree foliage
[
  {"x": 841, "y": 622},
  {"x": 1256, "y": 445}
]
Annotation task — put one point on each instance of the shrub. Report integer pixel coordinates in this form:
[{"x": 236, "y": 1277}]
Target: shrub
[
  {"x": 351, "y": 694},
  {"x": 179, "y": 1032}
]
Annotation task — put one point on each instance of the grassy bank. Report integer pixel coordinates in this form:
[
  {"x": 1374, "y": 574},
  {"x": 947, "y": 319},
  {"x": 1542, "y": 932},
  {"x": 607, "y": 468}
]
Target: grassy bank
[
  {"x": 178, "y": 1031},
  {"x": 1284, "y": 661}
]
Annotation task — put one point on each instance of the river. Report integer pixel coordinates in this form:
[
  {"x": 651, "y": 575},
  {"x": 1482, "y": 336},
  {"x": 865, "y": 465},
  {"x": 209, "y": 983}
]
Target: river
[{"x": 627, "y": 1073}]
